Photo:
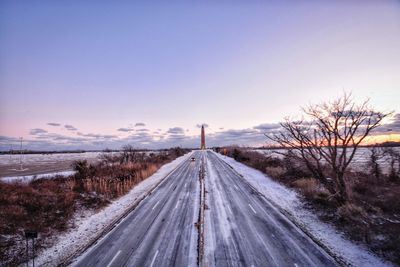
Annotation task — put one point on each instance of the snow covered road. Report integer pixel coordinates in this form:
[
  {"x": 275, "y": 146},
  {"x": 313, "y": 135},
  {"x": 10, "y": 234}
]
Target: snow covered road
[
  {"x": 161, "y": 231},
  {"x": 243, "y": 229}
]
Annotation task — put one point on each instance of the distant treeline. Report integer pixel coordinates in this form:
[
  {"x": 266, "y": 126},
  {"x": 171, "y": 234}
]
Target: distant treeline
[
  {"x": 40, "y": 152},
  {"x": 385, "y": 144},
  {"x": 25, "y": 151}
]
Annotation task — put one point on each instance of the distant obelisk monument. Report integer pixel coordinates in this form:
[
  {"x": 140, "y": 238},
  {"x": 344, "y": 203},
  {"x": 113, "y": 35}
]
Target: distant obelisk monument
[{"x": 203, "y": 138}]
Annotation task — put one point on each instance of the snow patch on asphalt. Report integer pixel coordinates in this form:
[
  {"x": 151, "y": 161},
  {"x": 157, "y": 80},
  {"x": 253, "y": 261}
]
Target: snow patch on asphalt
[
  {"x": 28, "y": 178},
  {"x": 289, "y": 201},
  {"x": 195, "y": 236},
  {"x": 89, "y": 223},
  {"x": 209, "y": 242},
  {"x": 220, "y": 203}
]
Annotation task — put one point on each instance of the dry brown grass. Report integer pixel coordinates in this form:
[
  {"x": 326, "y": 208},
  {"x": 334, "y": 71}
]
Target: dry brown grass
[
  {"x": 311, "y": 188},
  {"x": 351, "y": 212},
  {"x": 275, "y": 171},
  {"x": 47, "y": 205},
  {"x": 313, "y": 191}
]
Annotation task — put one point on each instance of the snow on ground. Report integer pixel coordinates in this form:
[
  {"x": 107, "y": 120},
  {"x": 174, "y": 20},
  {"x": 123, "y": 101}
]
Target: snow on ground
[
  {"x": 37, "y": 164},
  {"x": 360, "y": 161},
  {"x": 44, "y": 159},
  {"x": 88, "y": 225},
  {"x": 290, "y": 202},
  {"x": 28, "y": 178}
]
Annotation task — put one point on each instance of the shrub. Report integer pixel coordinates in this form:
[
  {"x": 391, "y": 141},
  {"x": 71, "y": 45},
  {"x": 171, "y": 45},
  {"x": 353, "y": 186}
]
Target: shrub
[
  {"x": 373, "y": 163},
  {"x": 177, "y": 151},
  {"x": 394, "y": 160},
  {"x": 309, "y": 187},
  {"x": 274, "y": 172},
  {"x": 351, "y": 212},
  {"x": 312, "y": 189}
]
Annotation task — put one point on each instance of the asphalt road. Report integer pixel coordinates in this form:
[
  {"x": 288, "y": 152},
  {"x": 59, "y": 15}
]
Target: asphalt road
[
  {"x": 241, "y": 227},
  {"x": 244, "y": 229},
  {"x": 160, "y": 231}
]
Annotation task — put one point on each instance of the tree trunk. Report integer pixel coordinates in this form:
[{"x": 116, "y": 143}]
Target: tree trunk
[{"x": 342, "y": 188}]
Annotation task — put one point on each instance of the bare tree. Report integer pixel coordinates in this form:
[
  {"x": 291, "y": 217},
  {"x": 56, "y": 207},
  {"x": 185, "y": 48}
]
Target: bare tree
[
  {"x": 393, "y": 157},
  {"x": 329, "y": 135},
  {"x": 130, "y": 154},
  {"x": 373, "y": 163}
]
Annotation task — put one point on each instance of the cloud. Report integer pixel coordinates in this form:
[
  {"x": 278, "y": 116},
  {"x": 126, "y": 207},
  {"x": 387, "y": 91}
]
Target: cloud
[
  {"x": 70, "y": 127},
  {"x": 142, "y": 130},
  {"x": 246, "y": 137},
  {"x": 125, "y": 129},
  {"x": 37, "y": 131},
  {"x": 143, "y": 138},
  {"x": 53, "y": 124},
  {"x": 242, "y": 134},
  {"x": 392, "y": 127},
  {"x": 177, "y": 137},
  {"x": 8, "y": 139},
  {"x": 140, "y": 138},
  {"x": 267, "y": 127},
  {"x": 53, "y": 137},
  {"x": 202, "y": 124},
  {"x": 97, "y": 136},
  {"x": 176, "y": 130},
  {"x": 140, "y": 124}
]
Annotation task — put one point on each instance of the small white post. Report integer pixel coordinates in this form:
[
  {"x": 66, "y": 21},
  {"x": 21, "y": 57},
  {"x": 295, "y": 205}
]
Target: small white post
[{"x": 20, "y": 158}]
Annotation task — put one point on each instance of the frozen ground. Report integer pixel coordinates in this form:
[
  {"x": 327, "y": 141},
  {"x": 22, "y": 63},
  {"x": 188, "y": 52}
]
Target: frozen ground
[
  {"x": 89, "y": 225},
  {"x": 36, "y": 164},
  {"x": 290, "y": 203},
  {"x": 359, "y": 162},
  {"x": 29, "y": 178}
]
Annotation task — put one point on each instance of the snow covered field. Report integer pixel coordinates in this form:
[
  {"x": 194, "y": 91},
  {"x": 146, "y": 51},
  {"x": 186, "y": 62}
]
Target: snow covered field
[
  {"x": 290, "y": 203},
  {"x": 29, "y": 178},
  {"x": 89, "y": 226},
  {"x": 37, "y": 164},
  {"x": 44, "y": 159},
  {"x": 359, "y": 162}
]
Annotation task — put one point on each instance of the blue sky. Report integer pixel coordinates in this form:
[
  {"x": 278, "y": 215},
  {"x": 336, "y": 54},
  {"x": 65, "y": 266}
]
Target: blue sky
[{"x": 101, "y": 67}]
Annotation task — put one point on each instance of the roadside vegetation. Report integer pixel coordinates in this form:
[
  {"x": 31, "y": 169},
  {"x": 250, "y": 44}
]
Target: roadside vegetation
[
  {"x": 48, "y": 205},
  {"x": 319, "y": 149}
]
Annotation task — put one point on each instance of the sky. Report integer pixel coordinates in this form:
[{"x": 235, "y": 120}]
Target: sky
[{"x": 97, "y": 74}]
